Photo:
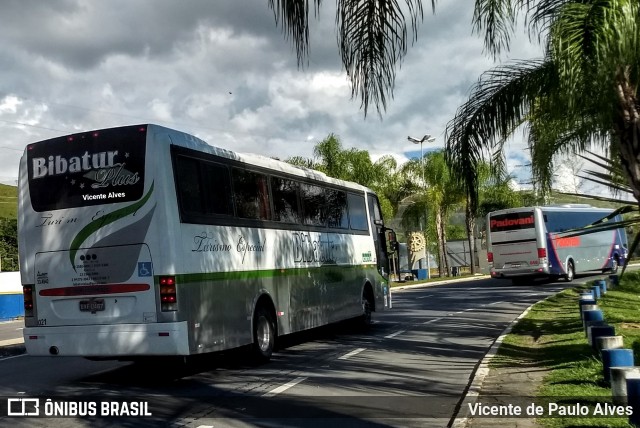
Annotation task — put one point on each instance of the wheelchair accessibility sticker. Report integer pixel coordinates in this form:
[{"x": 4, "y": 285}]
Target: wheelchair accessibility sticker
[{"x": 144, "y": 269}]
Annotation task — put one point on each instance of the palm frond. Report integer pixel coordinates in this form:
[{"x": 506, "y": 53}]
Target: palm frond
[
  {"x": 293, "y": 17},
  {"x": 499, "y": 103},
  {"x": 497, "y": 19},
  {"x": 373, "y": 36}
]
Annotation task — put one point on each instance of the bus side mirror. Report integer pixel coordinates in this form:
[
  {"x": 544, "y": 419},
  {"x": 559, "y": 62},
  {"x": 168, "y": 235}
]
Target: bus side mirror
[{"x": 393, "y": 241}]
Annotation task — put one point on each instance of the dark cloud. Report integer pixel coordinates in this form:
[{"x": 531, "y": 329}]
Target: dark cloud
[{"x": 220, "y": 69}]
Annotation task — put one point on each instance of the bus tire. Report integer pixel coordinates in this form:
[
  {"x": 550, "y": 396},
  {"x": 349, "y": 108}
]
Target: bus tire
[
  {"x": 571, "y": 272},
  {"x": 264, "y": 334},
  {"x": 615, "y": 264},
  {"x": 368, "y": 305}
]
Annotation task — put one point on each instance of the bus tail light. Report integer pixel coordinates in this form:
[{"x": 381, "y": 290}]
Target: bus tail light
[
  {"x": 490, "y": 257},
  {"x": 542, "y": 256},
  {"x": 27, "y": 292},
  {"x": 168, "y": 295}
]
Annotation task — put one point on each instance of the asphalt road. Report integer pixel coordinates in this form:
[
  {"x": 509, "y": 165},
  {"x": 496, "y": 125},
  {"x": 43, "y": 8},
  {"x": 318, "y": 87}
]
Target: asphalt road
[{"x": 411, "y": 368}]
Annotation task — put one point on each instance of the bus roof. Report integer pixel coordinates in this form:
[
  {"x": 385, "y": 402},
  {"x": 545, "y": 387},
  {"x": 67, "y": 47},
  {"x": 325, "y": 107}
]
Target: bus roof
[
  {"x": 256, "y": 159},
  {"x": 184, "y": 139},
  {"x": 554, "y": 208}
]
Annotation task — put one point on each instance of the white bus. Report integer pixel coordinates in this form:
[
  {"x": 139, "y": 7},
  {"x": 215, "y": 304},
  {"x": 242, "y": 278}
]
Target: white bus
[
  {"x": 142, "y": 240},
  {"x": 530, "y": 242}
]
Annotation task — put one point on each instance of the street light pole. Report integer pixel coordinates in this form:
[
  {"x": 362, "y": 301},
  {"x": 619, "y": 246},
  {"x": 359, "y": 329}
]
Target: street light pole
[{"x": 429, "y": 139}]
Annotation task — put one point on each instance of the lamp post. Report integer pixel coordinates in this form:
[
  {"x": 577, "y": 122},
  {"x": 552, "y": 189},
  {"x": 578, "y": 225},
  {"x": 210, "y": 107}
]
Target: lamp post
[{"x": 429, "y": 139}]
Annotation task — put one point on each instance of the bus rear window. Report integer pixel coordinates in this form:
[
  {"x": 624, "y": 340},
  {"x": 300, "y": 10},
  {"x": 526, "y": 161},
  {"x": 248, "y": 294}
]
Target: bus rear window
[
  {"x": 92, "y": 168},
  {"x": 512, "y": 221}
]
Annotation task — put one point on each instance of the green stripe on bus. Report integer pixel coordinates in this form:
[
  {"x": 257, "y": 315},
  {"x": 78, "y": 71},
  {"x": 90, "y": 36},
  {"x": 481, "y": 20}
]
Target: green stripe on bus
[{"x": 256, "y": 274}]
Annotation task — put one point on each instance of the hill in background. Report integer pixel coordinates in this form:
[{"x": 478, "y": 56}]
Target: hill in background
[{"x": 8, "y": 201}]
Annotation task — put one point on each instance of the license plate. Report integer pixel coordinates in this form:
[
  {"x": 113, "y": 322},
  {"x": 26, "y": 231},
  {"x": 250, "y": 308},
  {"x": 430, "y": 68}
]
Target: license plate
[
  {"x": 93, "y": 305},
  {"x": 515, "y": 265}
]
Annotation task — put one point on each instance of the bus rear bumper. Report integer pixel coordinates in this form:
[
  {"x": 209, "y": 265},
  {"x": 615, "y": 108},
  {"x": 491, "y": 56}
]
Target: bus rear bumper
[
  {"x": 519, "y": 273},
  {"x": 119, "y": 340}
]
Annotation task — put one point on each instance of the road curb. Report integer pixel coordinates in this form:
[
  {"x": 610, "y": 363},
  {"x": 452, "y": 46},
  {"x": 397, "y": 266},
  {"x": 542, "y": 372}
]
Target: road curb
[{"x": 434, "y": 283}]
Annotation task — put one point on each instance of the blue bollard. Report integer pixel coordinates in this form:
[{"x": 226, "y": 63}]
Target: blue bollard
[
  {"x": 603, "y": 286},
  {"x": 614, "y": 280},
  {"x": 615, "y": 358},
  {"x": 633, "y": 400},
  {"x": 600, "y": 331},
  {"x": 583, "y": 302},
  {"x": 588, "y": 305},
  {"x": 586, "y": 296},
  {"x": 589, "y": 316},
  {"x": 596, "y": 292}
]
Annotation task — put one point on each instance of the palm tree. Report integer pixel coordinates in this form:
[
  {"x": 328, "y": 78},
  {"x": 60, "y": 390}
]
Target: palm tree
[
  {"x": 583, "y": 92},
  {"x": 438, "y": 195},
  {"x": 372, "y": 38}
]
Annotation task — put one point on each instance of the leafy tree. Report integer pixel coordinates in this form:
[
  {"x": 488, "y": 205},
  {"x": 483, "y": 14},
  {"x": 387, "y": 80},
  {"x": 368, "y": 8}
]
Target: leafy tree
[
  {"x": 383, "y": 176},
  {"x": 438, "y": 195},
  {"x": 583, "y": 92},
  {"x": 9, "y": 244}
]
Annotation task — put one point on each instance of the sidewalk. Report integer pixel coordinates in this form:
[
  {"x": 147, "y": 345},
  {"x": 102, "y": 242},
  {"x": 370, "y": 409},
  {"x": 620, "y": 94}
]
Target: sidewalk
[
  {"x": 12, "y": 341},
  {"x": 498, "y": 386}
]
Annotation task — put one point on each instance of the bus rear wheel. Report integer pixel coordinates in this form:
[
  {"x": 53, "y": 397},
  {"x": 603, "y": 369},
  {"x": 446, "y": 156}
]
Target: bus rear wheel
[
  {"x": 571, "y": 272},
  {"x": 367, "y": 307},
  {"x": 615, "y": 264},
  {"x": 264, "y": 335}
]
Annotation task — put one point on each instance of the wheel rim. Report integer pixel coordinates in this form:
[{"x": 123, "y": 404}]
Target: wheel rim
[
  {"x": 263, "y": 334},
  {"x": 570, "y": 272}
]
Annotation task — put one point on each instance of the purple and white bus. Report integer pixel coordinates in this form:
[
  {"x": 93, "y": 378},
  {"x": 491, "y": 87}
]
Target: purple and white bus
[{"x": 531, "y": 242}]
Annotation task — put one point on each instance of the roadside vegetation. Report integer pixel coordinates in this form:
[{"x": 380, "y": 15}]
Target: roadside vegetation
[
  {"x": 551, "y": 338},
  {"x": 8, "y": 228}
]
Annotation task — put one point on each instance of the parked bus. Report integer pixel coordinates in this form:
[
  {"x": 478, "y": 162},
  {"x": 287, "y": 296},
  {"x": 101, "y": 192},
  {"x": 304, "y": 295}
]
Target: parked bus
[
  {"x": 142, "y": 240},
  {"x": 533, "y": 242}
]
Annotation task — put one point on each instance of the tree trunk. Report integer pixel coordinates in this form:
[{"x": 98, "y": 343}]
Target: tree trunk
[
  {"x": 443, "y": 265},
  {"x": 470, "y": 223},
  {"x": 627, "y": 131}
]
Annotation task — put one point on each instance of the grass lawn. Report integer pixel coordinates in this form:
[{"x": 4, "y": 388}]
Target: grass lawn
[{"x": 551, "y": 337}]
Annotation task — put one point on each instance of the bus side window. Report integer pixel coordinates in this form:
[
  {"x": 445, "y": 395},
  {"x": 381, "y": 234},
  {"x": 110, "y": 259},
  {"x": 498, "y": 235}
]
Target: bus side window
[
  {"x": 217, "y": 186},
  {"x": 357, "y": 212},
  {"x": 284, "y": 193},
  {"x": 337, "y": 209},
  {"x": 188, "y": 185},
  {"x": 251, "y": 194},
  {"x": 313, "y": 205}
]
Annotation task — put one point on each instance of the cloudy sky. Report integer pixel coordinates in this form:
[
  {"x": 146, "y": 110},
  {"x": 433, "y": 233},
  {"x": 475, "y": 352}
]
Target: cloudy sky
[{"x": 222, "y": 70}]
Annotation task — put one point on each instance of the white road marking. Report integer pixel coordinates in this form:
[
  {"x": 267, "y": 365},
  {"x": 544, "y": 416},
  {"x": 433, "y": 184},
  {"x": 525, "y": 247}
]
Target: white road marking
[
  {"x": 433, "y": 320},
  {"x": 424, "y": 297},
  {"x": 351, "y": 354},
  {"x": 394, "y": 334},
  {"x": 12, "y": 357},
  {"x": 496, "y": 303},
  {"x": 284, "y": 387}
]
